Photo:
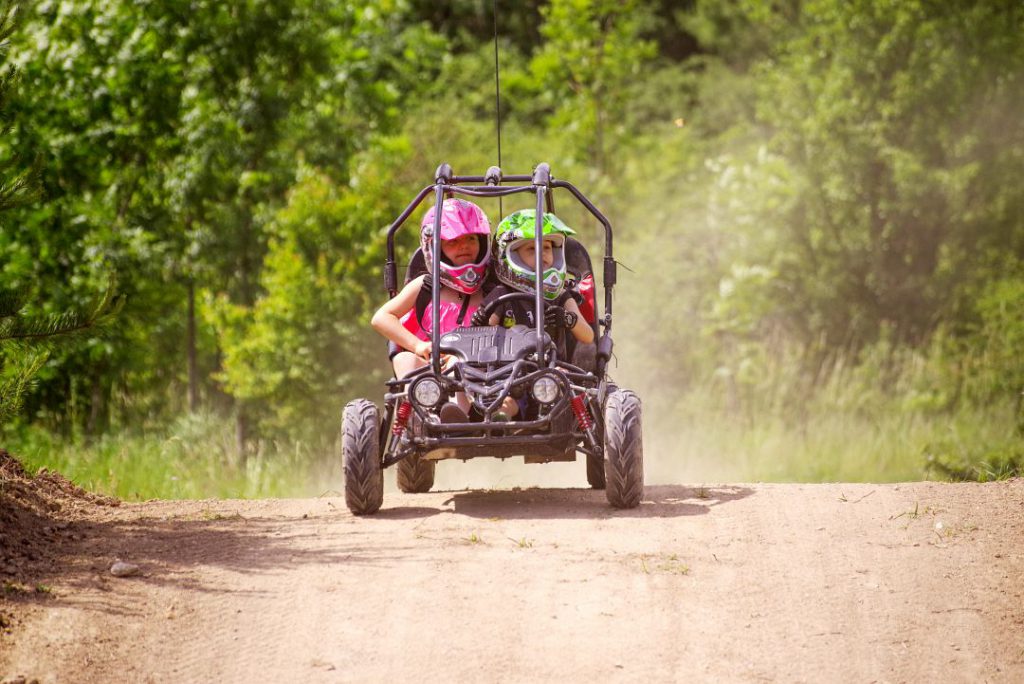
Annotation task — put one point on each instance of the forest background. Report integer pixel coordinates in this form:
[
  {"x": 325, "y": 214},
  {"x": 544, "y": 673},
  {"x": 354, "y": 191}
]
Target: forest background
[{"x": 819, "y": 213}]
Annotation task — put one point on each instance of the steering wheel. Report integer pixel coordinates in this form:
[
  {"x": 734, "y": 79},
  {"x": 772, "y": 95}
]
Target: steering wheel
[{"x": 487, "y": 310}]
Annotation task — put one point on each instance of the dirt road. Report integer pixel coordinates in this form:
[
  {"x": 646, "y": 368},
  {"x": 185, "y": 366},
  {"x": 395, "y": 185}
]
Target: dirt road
[{"x": 913, "y": 582}]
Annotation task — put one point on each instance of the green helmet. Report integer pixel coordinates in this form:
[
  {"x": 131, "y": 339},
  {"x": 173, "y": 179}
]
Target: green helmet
[{"x": 519, "y": 228}]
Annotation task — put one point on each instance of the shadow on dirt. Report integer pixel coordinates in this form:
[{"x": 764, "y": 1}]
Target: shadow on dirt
[
  {"x": 405, "y": 513},
  {"x": 56, "y": 535},
  {"x": 171, "y": 550},
  {"x": 666, "y": 501},
  {"x": 177, "y": 551}
]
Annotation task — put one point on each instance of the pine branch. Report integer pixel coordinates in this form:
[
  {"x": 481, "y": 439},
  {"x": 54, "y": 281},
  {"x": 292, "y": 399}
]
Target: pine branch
[
  {"x": 15, "y": 328},
  {"x": 13, "y": 388},
  {"x": 21, "y": 338},
  {"x": 8, "y": 21},
  {"x": 19, "y": 190}
]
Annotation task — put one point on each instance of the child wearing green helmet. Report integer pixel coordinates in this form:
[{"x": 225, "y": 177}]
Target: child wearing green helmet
[{"x": 515, "y": 266}]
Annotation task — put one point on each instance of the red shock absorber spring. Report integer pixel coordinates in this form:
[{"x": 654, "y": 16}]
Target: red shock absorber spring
[
  {"x": 401, "y": 418},
  {"x": 579, "y": 407}
]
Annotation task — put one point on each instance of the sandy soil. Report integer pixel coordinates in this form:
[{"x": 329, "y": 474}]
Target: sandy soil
[{"x": 912, "y": 582}]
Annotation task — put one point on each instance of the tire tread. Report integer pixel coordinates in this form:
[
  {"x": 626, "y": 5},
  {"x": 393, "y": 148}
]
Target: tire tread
[
  {"x": 415, "y": 475},
  {"x": 624, "y": 456},
  {"x": 364, "y": 481}
]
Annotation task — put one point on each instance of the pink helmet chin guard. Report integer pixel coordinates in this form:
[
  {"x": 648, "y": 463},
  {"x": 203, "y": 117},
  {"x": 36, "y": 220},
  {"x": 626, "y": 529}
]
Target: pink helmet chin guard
[{"x": 458, "y": 218}]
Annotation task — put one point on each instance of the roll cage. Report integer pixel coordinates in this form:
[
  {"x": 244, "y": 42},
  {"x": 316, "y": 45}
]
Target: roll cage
[{"x": 542, "y": 185}]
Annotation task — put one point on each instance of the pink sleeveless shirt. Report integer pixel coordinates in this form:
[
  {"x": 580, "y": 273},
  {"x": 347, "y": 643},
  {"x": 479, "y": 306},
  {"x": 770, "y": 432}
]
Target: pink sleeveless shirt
[{"x": 449, "y": 319}]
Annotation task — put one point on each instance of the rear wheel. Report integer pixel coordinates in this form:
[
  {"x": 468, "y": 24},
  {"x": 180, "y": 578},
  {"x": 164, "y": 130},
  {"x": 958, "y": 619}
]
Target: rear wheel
[
  {"x": 623, "y": 449},
  {"x": 414, "y": 474},
  {"x": 364, "y": 482}
]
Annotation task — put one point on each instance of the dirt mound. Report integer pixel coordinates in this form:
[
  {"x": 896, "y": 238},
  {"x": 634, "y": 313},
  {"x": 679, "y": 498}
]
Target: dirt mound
[
  {"x": 36, "y": 516},
  {"x": 38, "y": 523}
]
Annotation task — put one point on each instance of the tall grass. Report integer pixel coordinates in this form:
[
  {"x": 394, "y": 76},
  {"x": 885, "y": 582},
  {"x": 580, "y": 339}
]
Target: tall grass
[
  {"x": 194, "y": 459},
  {"x": 886, "y": 415},
  {"x": 684, "y": 443},
  {"x": 830, "y": 446}
]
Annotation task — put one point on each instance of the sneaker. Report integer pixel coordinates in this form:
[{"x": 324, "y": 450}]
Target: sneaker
[{"x": 453, "y": 413}]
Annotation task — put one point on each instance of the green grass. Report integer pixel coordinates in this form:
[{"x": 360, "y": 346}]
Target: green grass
[
  {"x": 687, "y": 439},
  {"x": 830, "y": 446},
  {"x": 666, "y": 564},
  {"x": 683, "y": 443},
  {"x": 735, "y": 408},
  {"x": 195, "y": 459}
]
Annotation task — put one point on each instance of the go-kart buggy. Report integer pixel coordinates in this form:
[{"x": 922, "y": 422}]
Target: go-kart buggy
[{"x": 570, "y": 403}]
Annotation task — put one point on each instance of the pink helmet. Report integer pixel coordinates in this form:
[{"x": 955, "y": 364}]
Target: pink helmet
[{"x": 458, "y": 218}]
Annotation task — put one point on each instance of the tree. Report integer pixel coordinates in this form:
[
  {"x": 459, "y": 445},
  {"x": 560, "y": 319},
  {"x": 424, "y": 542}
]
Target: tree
[
  {"x": 593, "y": 49},
  {"x": 16, "y": 182},
  {"x": 307, "y": 337},
  {"x": 884, "y": 114},
  {"x": 177, "y": 135},
  {"x": 101, "y": 149},
  {"x": 24, "y": 340}
]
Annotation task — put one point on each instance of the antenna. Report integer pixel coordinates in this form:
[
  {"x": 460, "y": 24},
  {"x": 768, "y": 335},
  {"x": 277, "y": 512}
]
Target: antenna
[{"x": 497, "y": 98}]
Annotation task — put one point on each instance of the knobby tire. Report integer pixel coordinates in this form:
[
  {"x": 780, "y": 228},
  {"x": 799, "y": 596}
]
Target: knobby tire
[
  {"x": 364, "y": 481},
  {"x": 624, "y": 452}
]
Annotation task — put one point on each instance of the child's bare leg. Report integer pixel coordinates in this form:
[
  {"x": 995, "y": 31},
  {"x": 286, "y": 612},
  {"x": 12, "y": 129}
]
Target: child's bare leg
[
  {"x": 510, "y": 407},
  {"x": 406, "y": 362}
]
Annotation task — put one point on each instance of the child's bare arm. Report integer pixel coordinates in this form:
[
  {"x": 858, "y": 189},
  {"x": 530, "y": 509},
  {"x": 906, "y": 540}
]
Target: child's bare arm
[
  {"x": 582, "y": 330},
  {"x": 387, "y": 319}
]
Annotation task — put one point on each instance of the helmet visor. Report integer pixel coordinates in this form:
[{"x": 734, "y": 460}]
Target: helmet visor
[{"x": 521, "y": 254}]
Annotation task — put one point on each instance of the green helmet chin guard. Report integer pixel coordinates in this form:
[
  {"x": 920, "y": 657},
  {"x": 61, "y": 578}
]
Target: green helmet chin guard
[{"x": 519, "y": 228}]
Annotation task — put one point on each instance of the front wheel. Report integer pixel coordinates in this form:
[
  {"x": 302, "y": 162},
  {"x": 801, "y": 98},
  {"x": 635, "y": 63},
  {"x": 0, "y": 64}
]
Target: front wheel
[
  {"x": 623, "y": 449},
  {"x": 364, "y": 481}
]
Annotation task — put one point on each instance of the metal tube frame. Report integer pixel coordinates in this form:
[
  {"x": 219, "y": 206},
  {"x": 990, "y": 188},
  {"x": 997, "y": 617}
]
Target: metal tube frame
[{"x": 542, "y": 184}]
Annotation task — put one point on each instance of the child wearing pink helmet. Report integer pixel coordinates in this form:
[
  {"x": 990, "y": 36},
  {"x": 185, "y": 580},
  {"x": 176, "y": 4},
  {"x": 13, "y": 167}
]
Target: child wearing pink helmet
[{"x": 465, "y": 257}]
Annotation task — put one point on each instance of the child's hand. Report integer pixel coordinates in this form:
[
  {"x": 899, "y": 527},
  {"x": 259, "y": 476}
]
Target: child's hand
[
  {"x": 557, "y": 317},
  {"x": 478, "y": 318},
  {"x": 423, "y": 351}
]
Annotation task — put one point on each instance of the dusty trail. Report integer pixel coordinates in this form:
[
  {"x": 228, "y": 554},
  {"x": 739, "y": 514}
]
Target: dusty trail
[{"x": 735, "y": 582}]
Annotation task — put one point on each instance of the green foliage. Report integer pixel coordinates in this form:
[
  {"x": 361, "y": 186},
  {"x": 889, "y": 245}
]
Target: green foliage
[
  {"x": 17, "y": 185},
  {"x": 25, "y": 341},
  {"x": 887, "y": 176},
  {"x": 954, "y": 460},
  {"x": 16, "y": 182},
  {"x": 991, "y": 359},
  {"x": 308, "y": 336},
  {"x": 817, "y": 209},
  {"x": 192, "y": 458},
  {"x": 178, "y": 133},
  {"x": 593, "y": 50}
]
